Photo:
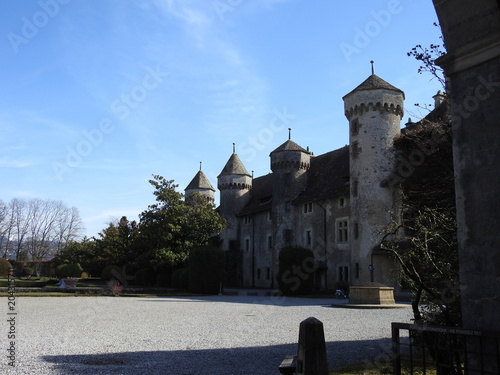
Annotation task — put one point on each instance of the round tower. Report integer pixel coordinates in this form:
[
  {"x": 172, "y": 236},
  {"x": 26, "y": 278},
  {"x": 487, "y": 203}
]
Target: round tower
[
  {"x": 200, "y": 185},
  {"x": 289, "y": 162},
  {"x": 234, "y": 184},
  {"x": 374, "y": 110}
]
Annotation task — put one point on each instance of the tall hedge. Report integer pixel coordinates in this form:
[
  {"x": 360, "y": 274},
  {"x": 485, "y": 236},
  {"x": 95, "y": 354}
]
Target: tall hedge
[
  {"x": 5, "y": 267},
  {"x": 296, "y": 271},
  {"x": 206, "y": 269},
  {"x": 145, "y": 277}
]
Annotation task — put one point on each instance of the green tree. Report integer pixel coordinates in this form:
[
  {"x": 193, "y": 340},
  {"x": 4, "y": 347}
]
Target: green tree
[
  {"x": 117, "y": 243},
  {"x": 84, "y": 253},
  {"x": 173, "y": 226}
]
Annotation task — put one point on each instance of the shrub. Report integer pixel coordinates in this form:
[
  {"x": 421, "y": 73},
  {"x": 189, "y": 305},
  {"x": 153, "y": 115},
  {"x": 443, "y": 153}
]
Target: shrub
[
  {"x": 110, "y": 271},
  {"x": 296, "y": 271},
  {"x": 206, "y": 269},
  {"x": 5, "y": 267},
  {"x": 28, "y": 271},
  {"x": 145, "y": 277},
  {"x": 74, "y": 270},
  {"x": 69, "y": 270}
]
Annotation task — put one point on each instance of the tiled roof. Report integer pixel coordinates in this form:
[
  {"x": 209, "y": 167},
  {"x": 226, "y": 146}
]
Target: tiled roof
[
  {"x": 261, "y": 195},
  {"x": 289, "y": 146},
  {"x": 327, "y": 177},
  {"x": 374, "y": 82},
  {"x": 200, "y": 181},
  {"x": 234, "y": 166}
]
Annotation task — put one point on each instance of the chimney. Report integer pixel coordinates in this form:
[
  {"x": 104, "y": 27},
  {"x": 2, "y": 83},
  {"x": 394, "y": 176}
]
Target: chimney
[{"x": 439, "y": 98}]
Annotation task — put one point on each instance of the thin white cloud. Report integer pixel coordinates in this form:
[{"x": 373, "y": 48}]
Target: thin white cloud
[
  {"x": 197, "y": 22},
  {"x": 17, "y": 163}
]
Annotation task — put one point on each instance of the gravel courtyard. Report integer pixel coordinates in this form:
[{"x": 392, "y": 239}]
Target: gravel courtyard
[{"x": 185, "y": 336}]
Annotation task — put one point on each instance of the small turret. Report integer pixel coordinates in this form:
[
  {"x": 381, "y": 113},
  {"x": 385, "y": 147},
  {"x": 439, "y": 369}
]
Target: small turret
[
  {"x": 234, "y": 183},
  {"x": 200, "y": 185}
]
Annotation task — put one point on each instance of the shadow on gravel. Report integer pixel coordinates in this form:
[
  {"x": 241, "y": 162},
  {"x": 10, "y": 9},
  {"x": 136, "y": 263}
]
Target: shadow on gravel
[
  {"x": 244, "y": 361},
  {"x": 260, "y": 300}
]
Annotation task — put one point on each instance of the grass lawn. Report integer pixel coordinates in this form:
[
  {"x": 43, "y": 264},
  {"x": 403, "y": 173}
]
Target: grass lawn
[
  {"x": 28, "y": 282},
  {"x": 84, "y": 287}
]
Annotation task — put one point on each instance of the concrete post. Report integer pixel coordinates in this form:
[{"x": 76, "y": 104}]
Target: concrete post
[{"x": 311, "y": 356}]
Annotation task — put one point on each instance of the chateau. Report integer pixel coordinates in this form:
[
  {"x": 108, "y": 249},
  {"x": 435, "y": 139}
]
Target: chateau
[{"x": 335, "y": 204}]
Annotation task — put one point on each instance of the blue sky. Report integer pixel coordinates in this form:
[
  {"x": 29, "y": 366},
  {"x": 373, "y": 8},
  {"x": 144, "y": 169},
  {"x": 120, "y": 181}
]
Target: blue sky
[{"x": 96, "y": 96}]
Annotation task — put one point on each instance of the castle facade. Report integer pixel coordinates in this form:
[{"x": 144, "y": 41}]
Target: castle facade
[{"x": 335, "y": 204}]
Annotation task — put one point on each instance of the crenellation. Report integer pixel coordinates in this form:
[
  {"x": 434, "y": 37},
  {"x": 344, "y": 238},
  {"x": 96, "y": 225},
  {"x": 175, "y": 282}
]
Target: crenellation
[{"x": 332, "y": 203}]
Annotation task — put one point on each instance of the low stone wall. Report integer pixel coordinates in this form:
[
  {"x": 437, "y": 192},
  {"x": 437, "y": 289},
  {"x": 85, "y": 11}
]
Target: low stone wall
[{"x": 371, "y": 295}]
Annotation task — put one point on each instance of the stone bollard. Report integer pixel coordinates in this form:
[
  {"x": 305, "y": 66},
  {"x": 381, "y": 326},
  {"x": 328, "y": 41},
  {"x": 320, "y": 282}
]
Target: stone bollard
[{"x": 311, "y": 355}]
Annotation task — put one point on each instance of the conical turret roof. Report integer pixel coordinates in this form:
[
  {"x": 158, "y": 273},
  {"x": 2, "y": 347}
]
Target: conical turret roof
[
  {"x": 234, "y": 166},
  {"x": 374, "y": 82},
  {"x": 289, "y": 145},
  {"x": 200, "y": 181}
]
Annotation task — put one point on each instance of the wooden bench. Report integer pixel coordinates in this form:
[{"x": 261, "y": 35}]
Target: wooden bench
[{"x": 288, "y": 365}]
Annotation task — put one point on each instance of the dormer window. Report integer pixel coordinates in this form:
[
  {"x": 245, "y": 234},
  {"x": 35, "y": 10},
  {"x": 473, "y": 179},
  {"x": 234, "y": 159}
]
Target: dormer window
[
  {"x": 265, "y": 200},
  {"x": 308, "y": 207}
]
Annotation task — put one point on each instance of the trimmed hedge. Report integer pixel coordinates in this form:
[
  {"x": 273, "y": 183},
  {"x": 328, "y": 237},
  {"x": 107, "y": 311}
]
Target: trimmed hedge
[
  {"x": 164, "y": 278},
  {"x": 206, "y": 269},
  {"x": 296, "y": 271},
  {"x": 145, "y": 277},
  {"x": 180, "y": 278},
  {"x": 5, "y": 267},
  {"x": 28, "y": 271}
]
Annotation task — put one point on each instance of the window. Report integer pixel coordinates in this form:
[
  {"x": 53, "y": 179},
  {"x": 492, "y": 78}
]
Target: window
[
  {"x": 355, "y": 126},
  {"x": 343, "y": 274},
  {"x": 354, "y": 188},
  {"x": 268, "y": 273},
  {"x": 308, "y": 238},
  {"x": 287, "y": 235},
  {"x": 356, "y": 231},
  {"x": 269, "y": 242},
  {"x": 355, "y": 149},
  {"x": 247, "y": 244},
  {"x": 342, "y": 231},
  {"x": 269, "y": 215},
  {"x": 342, "y": 202},
  {"x": 247, "y": 219},
  {"x": 258, "y": 273},
  {"x": 308, "y": 207},
  {"x": 357, "y": 270}
]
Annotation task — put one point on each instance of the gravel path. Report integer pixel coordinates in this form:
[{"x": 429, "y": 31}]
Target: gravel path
[{"x": 184, "y": 336}]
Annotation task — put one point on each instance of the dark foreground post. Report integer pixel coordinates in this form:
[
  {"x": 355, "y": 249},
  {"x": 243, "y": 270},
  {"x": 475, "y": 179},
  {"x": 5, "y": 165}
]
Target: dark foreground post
[{"x": 311, "y": 355}]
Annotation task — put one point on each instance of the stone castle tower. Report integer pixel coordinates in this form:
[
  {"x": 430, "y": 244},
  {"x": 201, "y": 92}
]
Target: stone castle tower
[
  {"x": 234, "y": 184},
  {"x": 200, "y": 185},
  {"x": 374, "y": 110},
  {"x": 289, "y": 164}
]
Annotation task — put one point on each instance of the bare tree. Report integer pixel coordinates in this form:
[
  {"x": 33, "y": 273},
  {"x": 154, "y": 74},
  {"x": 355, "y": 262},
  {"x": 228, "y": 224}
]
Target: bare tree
[{"x": 37, "y": 229}]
